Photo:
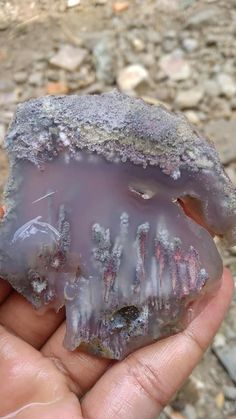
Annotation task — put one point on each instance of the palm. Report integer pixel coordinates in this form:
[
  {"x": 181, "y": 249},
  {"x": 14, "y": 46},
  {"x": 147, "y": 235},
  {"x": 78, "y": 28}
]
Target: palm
[{"x": 41, "y": 379}]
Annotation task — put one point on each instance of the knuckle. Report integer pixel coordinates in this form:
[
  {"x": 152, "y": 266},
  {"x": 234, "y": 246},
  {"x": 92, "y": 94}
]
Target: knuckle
[
  {"x": 148, "y": 380},
  {"x": 192, "y": 338}
]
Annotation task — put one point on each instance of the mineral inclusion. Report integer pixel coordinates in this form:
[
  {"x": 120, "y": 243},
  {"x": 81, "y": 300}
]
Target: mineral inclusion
[{"x": 111, "y": 209}]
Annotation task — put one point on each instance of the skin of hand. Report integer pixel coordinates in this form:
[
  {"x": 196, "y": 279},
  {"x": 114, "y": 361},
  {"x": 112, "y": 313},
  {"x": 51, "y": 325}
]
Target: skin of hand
[{"x": 41, "y": 379}]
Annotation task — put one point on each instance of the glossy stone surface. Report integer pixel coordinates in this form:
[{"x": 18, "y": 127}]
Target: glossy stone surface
[{"x": 111, "y": 206}]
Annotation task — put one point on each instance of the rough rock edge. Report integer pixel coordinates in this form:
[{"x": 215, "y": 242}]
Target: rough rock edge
[
  {"x": 115, "y": 126},
  {"x": 152, "y": 133}
]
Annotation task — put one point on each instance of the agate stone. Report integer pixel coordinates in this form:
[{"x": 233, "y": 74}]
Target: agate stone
[{"x": 111, "y": 208}]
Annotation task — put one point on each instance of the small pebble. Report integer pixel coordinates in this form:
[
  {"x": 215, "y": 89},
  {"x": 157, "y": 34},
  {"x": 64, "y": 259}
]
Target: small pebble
[
  {"x": 57, "y": 88},
  {"x": 220, "y": 108},
  {"x": 175, "y": 66},
  {"x": 138, "y": 45},
  {"x": 219, "y": 341},
  {"x": 72, "y": 3},
  {"x": 40, "y": 65},
  {"x": 201, "y": 18},
  {"x": 189, "y": 98},
  {"x": 120, "y": 6},
  {"x": 35, "y": 79},
  {"x": 153, "y": 36},
  {"x": 53, "y": 75},
  {"x": 227, "y": 85},
  {"x": 2, "y": 134},
  {"x": 230, "y": 392},
  {"x": 231, "y": 172},
  {"x": 104, "y": 59},
  {"x": 6, "y": 85},
  {"x": 69, "y": 57},
  {"x": 227, "y": 356},
  {"x": 211, "y": 87},
  {"x": 190, "y": 411},
  {"x": 4, "y": 19},
  {"x": 220, "y": 400},
  {"x": 8, "y": 98},
  {"x": 190, "y": 44},
  {"x": 101, "y": 2},
  {"x": 222, "y": 132},
  {"x": 132, "y": 76},
  {"x": 192, "y": 117},
  {"x": 233, "y": 103},
  {"x": 169, "y": 44},
  {"x": 20, "y": 77}
]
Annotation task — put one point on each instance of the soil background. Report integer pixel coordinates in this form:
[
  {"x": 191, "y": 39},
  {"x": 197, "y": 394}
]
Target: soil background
[{"x": 177, "y": 52}]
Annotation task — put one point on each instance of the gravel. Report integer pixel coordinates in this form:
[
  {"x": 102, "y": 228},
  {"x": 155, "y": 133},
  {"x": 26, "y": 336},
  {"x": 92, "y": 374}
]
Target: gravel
[
  {"x": 180, "y": 53},
  {"x": 222, "y": 132}
]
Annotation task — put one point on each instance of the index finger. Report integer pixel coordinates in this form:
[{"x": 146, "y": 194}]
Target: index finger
[{"x": 147, "y": 379}]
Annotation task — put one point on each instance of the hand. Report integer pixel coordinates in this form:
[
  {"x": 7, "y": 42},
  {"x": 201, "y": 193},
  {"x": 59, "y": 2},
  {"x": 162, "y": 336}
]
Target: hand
[{"x": 40, "y": 379}]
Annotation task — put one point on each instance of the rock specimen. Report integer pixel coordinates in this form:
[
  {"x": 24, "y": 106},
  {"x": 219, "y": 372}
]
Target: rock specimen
[{"x": 111, "y": 206}]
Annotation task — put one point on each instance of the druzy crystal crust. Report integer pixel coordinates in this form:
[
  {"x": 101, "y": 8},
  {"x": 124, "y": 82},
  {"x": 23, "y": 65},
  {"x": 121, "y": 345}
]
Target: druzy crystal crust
[{"x": 111, "y": 209}]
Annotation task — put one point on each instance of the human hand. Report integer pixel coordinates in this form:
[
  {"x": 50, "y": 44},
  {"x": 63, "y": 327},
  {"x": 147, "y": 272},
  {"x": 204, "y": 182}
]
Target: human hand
[{"x": 41, "y": 379}]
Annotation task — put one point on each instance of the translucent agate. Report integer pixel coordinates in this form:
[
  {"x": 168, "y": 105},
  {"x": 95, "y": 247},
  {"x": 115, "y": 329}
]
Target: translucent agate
[{"x": 111, "y": 209}]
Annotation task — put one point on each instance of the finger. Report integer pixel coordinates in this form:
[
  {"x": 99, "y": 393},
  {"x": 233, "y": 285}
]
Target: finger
[
  {"x": 18, "y": 315},
  {"x": 30, "y": 386},
  {"x": 65, "y": 408},
  {"x": 5, "y": 290},
  {"x": 83, "y": 368},
  {"x": 16, "y": 359},
  {"x": 147, "y": 379}
]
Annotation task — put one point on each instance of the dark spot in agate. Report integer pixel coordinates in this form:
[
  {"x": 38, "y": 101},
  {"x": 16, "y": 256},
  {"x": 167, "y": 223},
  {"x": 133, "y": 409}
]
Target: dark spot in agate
[{"x": 111, "y": 209}]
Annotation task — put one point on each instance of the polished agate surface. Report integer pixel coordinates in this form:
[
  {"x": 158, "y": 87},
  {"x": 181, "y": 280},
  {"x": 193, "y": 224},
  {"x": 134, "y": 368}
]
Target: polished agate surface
[{"x": 117, "y": 231}]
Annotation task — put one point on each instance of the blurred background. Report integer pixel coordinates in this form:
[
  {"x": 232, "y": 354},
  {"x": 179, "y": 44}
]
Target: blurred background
[{"x": 181, "y": 53}]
